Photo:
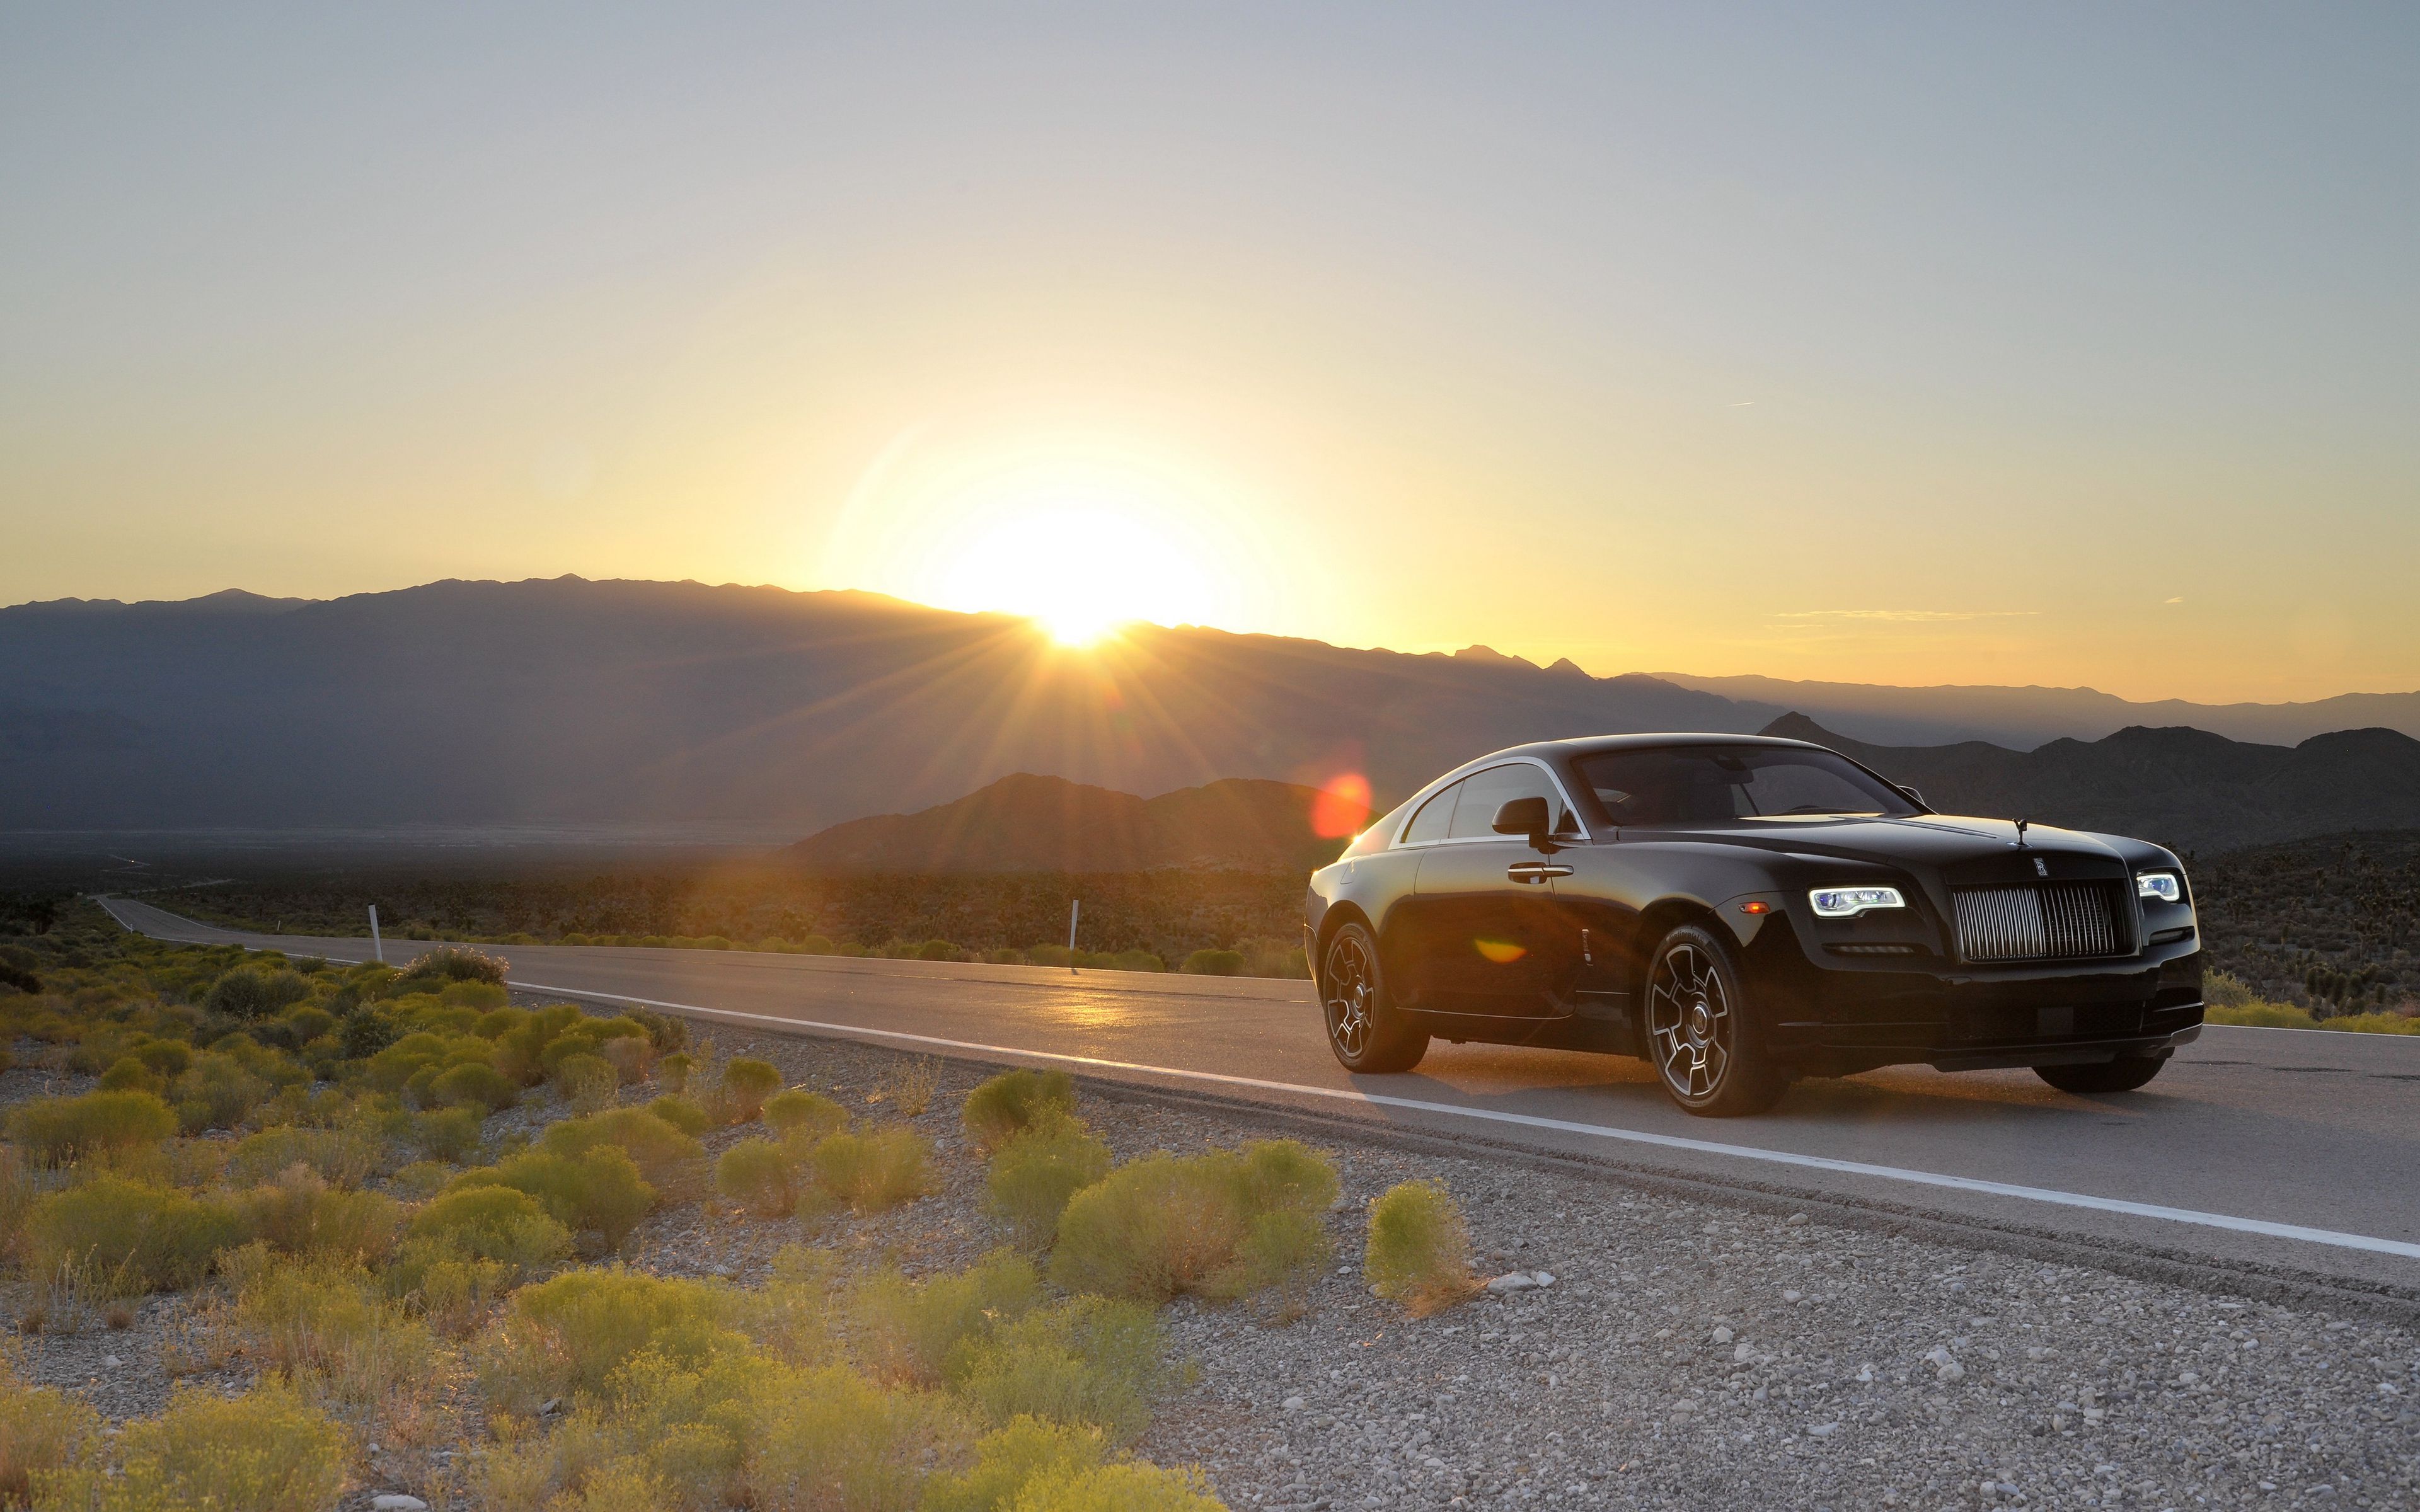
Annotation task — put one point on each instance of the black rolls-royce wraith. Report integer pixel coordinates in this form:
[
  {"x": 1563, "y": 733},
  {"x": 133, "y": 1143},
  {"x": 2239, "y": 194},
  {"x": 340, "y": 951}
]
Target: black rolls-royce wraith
[{"x": 1740, "y": 911}]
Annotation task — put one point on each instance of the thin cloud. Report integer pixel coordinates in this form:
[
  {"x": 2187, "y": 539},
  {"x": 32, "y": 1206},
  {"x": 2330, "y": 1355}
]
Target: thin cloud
[
  {"x": 1907, "y": 616},
  {"x": 2177, "y": 600}
]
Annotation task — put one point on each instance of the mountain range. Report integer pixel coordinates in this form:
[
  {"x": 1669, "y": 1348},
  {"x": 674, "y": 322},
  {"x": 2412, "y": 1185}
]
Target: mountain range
[{"x": 636, "y": 703}]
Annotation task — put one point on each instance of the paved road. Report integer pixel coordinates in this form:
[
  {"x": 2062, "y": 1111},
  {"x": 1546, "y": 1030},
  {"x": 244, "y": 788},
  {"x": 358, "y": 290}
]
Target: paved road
[{"x": 2263, "y": 1152}]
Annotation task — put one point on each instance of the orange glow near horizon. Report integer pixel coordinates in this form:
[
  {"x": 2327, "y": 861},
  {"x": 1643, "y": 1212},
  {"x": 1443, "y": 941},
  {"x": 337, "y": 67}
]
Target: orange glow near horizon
[{"x": 1341, "y": 807}]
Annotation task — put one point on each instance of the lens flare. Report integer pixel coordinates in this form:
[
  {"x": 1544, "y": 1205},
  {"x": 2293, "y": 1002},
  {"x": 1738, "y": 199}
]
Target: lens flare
[
  {"x": 1341, "y": 807},
  {"x": 1503, "y": 952}
]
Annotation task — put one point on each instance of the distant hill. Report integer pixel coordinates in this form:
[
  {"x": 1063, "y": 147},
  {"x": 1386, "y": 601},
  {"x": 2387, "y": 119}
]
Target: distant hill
[
  {"x": 2185, "y": 788},
  {"x": 1027, "y": 823},
  {"x": 653, "y": 702},
  {"x": 2024, "y": 717}
]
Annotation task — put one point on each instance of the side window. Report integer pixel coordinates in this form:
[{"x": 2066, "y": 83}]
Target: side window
[
  {"x": 1435, "y": 816},
  {"x": 1483, "y": 793}
]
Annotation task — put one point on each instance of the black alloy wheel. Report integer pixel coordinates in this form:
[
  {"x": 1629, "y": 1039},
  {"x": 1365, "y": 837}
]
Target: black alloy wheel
[
  {"x": 1705, "y": 1048},
  {"x": 2103, "y": 1076},
  {"x": 1364, "y": 1028}
]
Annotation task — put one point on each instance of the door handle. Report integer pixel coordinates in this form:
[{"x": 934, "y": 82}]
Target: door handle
[{"x": 1535, "y": 871}]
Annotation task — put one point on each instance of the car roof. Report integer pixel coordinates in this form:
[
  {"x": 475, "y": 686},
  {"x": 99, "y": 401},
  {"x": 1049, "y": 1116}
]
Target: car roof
[{"x": 1591, "y": 744}]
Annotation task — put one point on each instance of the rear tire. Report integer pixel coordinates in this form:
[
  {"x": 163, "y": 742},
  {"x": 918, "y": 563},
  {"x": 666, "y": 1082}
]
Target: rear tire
[
  {"x": 1700, "y": 1036},
  {"x": 2104, "y": 1076},
  {"x": 1368, "y": 1033}
]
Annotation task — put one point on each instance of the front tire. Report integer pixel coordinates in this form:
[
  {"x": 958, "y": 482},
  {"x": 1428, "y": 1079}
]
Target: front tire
[
  {"x": 2104, "y": 1076},
  {"x": 1365, "y": 1029},
  {"x": 1707, "y": 1052}
]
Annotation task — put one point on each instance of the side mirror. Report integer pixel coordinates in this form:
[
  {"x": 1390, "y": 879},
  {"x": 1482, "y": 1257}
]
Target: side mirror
[
  {"x": 1526, "y": 817},
  {"x": 1914, "y": 796}
]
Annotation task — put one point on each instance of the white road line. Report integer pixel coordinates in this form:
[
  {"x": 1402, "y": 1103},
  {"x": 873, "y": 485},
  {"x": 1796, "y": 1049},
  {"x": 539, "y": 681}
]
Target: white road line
[{"x": 1530, "y": 1120}]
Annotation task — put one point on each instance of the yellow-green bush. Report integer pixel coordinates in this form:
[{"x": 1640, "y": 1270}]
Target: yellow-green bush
[
  {"x": 746, "y": 1085},
  {"x": 999, "y": 1107},
  {"x": 573, "y": 1332},
  {"x": 673, "y": 1070},
  {"x": 587, "y": 1082},
  {"x": 1127, "y": 1487},
  {"x": 804, "y": 1113},
  {"x": 456, "y": 962},
  {"x": 871, "y": 1171},
  {"x": 41, "y": 1429},
  {"x": 334, "y": 1324},
  {"x": 1006, "y": 1458},
  {"x": 1221, "y": 1224},
  {"x": 762, "y": 1175},
  {"x": 344, "y": 1157},
  {"x": 1090, "y": 1360},
  {"x": 59, "y": 1131},
  {"x": 266, "y": 1451},
  {"x": 1039, "y": 1169},
  {"x": 473, "y": 1085},
  {"x": 216, "y": 1091},
  {"x": 681, "y": 1114},
  {"x": 129, "y": 1237},
  {"x": 842, "y": 1441},
  {"x": 598, "y": 1189},
  {"x": 664, "y": 1153},
  {"x": 1419, "y": 1252},
  {"x": 301, "y": 1214},
  {"x": 447, "y": 1133},
  {"x": 501, "y": 1224},
  {"x": 914, "y": 1331},
  {"x": 128, "y": 1073}
]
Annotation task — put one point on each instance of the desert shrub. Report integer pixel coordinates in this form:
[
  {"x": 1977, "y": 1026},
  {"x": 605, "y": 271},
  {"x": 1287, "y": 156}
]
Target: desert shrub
[
  {"x": 842, "y": 1441},
  {"x": 266, "y": 1451},
  {"x": 501, "y": 1224},
  {"x": 1419, "y": 1252},
  {"x": 673, "y": 1070},
  {"x": 630, "y": 1055},
  {"x": 1091, "y": 1360},
  {"x": 913, "y": 1331},
  {"x": 1041, "y": 1166},
  {"x": 587, "y": 1082},
  {"x": 309, "y": 1024},
  {"x": 457, "y": 963},
  {"x": 2261, "y": 1016},
  {"x": 59, "y": 1131},
  {"x": 1006, "y": 1458},
  {"x": 761, "y": 1174},
  {"x": 1134, "y": 961},
  {"x": 130, "y": 1236},
  {"x": 1009, "y": 1101},
  {"x": 168, "y": 1057},
  {"x": 17, "y": 1197},
  {"x": 344, "y": 1157},
  {"x": 1215, "y": 963},
  {"x": 598, "y": 1189},
  {"x": 41, "y": 1429},
  {"x": 216, "y": 1091},
  {"x": 660, "y": 1151},
  {"x": 681, "y": 1114},
  {"x": 420, "y": 1179},
  {"x": 938, "y": 951},
  {"x": 1125, "y": 1487},
  {"x": 128, "y": 1073},
  {"x": 809, "y": 1114},
  {"x": 254, "y": 992},
  {"x": 449, "y": 1134},
  {"x": 871, "y": 1171},
  {"x": 1221, "y": 1224},
  {"x": 573, "y": 1332},
  {"x": 474, "y": 1085},
  {"x": 332, "y": 1321},
  {"x": 2373, "y": 1023},
  {"x": 301, "y": 1214},
  {"x": 746, "y": 1085}
]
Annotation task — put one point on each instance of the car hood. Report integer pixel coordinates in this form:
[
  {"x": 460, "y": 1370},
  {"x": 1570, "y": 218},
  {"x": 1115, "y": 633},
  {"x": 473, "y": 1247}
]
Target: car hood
[{"x": 1937, "y": 841}]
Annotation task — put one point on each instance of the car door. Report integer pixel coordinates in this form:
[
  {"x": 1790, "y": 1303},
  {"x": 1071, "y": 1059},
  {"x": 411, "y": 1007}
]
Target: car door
[{"x": 1488, "y": 936}]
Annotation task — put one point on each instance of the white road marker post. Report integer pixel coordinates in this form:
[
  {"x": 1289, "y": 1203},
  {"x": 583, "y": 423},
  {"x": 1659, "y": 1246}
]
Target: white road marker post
[
  {"x": 1074, "y": 908},
  {"x": 376, "y": 948}
]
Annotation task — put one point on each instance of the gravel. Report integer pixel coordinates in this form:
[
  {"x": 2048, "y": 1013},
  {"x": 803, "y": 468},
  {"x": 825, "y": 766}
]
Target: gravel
[{"x": 1633, "y": 1349}]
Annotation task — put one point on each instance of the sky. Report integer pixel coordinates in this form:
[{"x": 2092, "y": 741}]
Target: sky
[{"x": 2069, "y": 344}]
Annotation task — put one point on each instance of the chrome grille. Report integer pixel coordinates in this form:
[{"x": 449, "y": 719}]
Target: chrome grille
[{"x": 2050, "y": 922}]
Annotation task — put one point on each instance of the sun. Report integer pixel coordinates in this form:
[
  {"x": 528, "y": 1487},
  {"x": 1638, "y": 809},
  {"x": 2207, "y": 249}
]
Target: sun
[{"x": 1081, "y": 543}]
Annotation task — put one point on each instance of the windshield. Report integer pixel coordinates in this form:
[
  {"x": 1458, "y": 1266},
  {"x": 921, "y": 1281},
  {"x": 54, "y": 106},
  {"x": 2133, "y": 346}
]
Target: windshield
[{"x": 1712, "y": 784}]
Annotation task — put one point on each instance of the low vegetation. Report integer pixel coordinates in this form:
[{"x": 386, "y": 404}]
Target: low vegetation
[
  {"x": 1216, "y": 922},
  {"x": 1418, "y": 1249}
]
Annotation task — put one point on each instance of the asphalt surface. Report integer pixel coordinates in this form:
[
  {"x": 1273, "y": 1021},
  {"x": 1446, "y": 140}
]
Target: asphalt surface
[{"x": 2259, "y": 1158}]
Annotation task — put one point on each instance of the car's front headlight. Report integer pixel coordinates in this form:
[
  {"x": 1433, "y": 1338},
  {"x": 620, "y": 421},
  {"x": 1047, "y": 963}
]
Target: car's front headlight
[
  {"x": 2166, "y": 887},
  {"x": 1847, "y": 902}
]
